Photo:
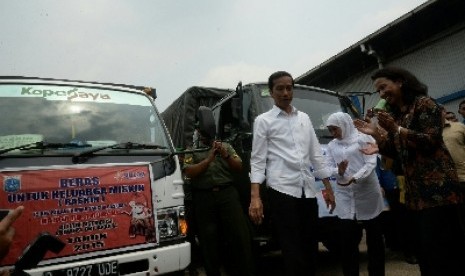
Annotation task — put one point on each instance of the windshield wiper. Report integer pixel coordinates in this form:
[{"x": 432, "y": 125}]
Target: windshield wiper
[
  {"x": 18, "y": 147},
  {"x": 83, "y": 156},
  {"x": 44, "y": 145}
]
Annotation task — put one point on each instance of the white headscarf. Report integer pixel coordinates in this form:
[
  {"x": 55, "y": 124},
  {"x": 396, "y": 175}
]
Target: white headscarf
[{"x": 346, "y": 124}]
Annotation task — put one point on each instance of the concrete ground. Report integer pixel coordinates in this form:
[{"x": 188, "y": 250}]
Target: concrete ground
[
  {"x": 395, "y": 264},
  {"x": 271, "y": 264}
]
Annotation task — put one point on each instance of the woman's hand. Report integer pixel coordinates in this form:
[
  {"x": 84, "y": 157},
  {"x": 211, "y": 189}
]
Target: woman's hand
[
  {"x": 342, "y": 167},
  {"x": 370, "y": 148},
  {"x": 365, "y": 127},
  {"x": 386, "y": 121}
]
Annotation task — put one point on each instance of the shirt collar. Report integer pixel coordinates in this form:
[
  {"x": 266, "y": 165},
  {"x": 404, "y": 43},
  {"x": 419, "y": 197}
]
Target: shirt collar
[{"x": 278, "y": 111}]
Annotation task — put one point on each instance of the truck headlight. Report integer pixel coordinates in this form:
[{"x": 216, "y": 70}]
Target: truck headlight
[{"x": 172, "y": 223}]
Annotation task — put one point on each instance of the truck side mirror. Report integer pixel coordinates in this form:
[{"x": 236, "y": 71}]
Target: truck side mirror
[
  {"x": 207, "y": 124},
  {"x": 245, "y": 98},
  {"x": 236, "y": 108}
]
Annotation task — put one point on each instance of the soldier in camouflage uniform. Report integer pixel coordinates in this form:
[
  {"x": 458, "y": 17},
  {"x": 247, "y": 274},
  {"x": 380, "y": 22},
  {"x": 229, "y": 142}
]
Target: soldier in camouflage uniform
[{"x": 218, "y": 212}]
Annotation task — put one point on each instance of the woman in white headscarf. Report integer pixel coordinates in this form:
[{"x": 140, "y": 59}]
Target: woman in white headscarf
[{"x": 358, "y": 195}]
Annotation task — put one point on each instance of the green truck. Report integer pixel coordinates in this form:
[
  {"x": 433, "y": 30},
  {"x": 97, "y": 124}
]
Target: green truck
[{"x": 234, "y": 112}]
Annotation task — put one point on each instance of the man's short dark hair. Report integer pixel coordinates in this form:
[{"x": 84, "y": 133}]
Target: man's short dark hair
[{"x": 277, "y": 75}]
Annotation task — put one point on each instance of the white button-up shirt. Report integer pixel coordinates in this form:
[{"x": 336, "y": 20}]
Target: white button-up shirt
[{"x": 284, "y": 150}]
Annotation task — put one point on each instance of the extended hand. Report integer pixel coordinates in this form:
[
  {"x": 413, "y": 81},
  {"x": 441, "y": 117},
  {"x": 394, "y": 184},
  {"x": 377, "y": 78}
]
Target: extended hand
[
  {"x": 370, "y": 148},
  {"x": 365, "y": 127},
  {"x": 7, "y": 231}
]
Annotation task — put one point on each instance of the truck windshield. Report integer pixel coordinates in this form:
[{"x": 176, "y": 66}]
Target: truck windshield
[
  {"x": 318, "y": 105},
  {"x": 89, "y": 117}
]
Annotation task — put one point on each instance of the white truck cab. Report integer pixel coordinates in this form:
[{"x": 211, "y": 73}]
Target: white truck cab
[{"x": 94, "y": 167}]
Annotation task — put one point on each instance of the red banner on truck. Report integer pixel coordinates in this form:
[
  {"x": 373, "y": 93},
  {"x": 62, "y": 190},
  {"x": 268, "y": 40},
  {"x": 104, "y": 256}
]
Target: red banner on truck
[{"x": 90, "y": 209}]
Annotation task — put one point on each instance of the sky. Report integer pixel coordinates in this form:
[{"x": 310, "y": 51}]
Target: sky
[{"x": 172, "y": 45}]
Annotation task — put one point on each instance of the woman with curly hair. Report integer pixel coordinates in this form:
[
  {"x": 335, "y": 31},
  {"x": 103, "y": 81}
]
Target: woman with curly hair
[{"x": 414, "y": 138}]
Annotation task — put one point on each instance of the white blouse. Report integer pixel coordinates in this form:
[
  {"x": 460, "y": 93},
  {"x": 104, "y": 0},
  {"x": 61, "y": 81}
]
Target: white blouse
[{"x": 363, "y": 199}]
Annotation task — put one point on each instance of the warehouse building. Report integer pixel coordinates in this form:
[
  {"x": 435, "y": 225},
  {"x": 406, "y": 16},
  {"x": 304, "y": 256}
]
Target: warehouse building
[{"x": 429, "y": 41}]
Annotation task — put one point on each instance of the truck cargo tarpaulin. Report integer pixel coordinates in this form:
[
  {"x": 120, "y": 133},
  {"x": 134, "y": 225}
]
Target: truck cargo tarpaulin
[
  {"x": 90, "y": 209},
  {"x": 180, "y": 116}
]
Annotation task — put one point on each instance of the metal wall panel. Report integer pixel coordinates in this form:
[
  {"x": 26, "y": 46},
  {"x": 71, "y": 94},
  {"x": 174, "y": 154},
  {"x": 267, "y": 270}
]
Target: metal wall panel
[{"x": 439, "y": 64}]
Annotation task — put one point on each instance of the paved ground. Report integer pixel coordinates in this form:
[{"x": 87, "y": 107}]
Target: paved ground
[
  {"x": 271, "y": 264},
  {"x": 395, "y": 265}
]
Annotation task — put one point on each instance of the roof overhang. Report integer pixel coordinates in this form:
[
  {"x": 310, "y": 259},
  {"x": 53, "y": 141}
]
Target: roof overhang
[{"x": 415, "y": 29}]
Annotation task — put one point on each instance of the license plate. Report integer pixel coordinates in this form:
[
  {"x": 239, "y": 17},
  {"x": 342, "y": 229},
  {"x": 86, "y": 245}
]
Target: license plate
[{"x": 98, "y": 269}]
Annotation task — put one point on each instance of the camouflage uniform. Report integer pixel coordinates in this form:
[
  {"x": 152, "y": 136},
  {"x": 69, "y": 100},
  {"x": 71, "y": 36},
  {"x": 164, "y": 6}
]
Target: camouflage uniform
[{"x": 219, "y": 215}]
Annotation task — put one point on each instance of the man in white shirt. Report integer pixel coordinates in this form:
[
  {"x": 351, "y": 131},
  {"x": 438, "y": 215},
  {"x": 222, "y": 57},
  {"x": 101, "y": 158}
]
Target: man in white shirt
[{"x": 284, "y": 149}]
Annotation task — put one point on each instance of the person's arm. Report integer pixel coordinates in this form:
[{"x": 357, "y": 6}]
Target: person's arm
[
  {"x": 257, "y": 169},
  {"x": 370, "y": 148},
  {"x": 329, "y": 195},
  {"x": 234, "y": 162},
  {"x": 369, "y": 161},
  {"x": 427, "y": 134},
  {"x": 194, "y": 170},
  {"x": 7, "y": 231},
  {"x": 369, "y": 129},
  {"x": 230, "y": 156},
  {"x": 384, "y": 143},
  {"x": 321, "y": 167},
  {"x": 256, "y": 205}
]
